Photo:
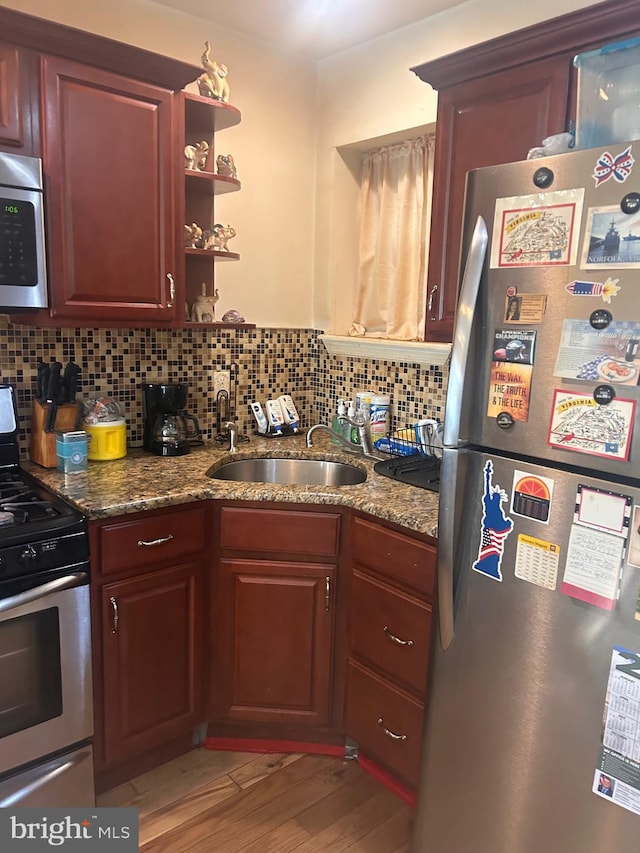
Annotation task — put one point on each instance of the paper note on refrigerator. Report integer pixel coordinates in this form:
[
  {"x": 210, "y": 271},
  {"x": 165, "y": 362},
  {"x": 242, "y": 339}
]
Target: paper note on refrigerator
[{"x": 595, "y": 581}]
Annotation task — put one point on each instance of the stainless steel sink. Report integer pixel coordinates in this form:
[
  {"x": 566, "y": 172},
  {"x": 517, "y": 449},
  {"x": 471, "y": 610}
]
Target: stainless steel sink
[{"x": 301, "y": 472}]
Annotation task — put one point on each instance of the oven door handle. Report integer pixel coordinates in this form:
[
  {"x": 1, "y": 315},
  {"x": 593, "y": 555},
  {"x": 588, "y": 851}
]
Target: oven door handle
[
  {"x": 48, "y": 773},
  {"x": 29, "y": 595}
]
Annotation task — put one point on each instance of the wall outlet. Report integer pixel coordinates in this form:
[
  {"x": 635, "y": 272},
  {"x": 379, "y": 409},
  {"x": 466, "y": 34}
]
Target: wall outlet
[{"x": 222, "y": 381}]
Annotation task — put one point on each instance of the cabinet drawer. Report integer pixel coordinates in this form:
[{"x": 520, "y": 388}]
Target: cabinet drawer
[
  {"x": 390, "y": 630},
  {"x": 279, "y": 530},
  {"x": 386, "y": 723},
  {"x": 398, "y": 556},
  {"x": 139, "y": 542}
]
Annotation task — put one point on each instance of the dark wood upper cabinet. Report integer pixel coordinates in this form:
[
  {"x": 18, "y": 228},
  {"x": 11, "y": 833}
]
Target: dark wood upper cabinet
[
  {"x": 497, "y": 100},
  {"x": 108, "y": 154},
  {"x": 19, "y": 125}
]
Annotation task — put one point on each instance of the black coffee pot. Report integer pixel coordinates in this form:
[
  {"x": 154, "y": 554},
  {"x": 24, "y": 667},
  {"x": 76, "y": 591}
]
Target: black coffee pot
[{"x": 168, "y": 429}]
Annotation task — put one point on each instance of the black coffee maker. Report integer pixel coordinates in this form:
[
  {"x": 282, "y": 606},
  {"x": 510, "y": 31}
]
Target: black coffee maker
[{"x": 168, "y": 429}]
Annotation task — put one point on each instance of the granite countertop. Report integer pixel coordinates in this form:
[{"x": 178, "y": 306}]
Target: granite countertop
[{"x": 143, "y": 481}]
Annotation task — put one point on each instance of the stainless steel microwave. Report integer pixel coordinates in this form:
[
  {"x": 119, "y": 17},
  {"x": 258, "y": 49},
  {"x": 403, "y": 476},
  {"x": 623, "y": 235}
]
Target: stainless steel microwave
[{"x": 23, "y": 275}]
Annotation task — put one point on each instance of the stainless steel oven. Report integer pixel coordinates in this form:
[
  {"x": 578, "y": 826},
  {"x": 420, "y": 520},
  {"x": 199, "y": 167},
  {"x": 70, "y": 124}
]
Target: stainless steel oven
[{"x": 46, "y": 711}]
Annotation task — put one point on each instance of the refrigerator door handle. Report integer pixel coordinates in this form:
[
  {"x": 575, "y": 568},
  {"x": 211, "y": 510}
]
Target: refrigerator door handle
[
  {"x": 462, "y": 334},
  {"x": 446, "y": 545}
]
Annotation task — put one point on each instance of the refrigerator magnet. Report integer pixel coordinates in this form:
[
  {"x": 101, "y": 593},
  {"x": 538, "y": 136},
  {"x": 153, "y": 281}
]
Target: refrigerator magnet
[
  {"x": 531, "y": 496},
  {"x": 514, "y": 345},
  {"x": 495, "y": 527},
  {"x": 524, "y": 308},
  {"x": 606, "y": 289},
  {"x": 578, "y": 423},
  {"x": 607, "y": 166},
  {"x": 537, "y": 230},
  {"x": 617, "y": 776},
  {"x": 611, "y": 239},
  {"x": 537, "y": 561},
  {"x": 509, "y": 390}
]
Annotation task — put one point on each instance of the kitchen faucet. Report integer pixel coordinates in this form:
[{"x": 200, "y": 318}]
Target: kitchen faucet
[{"x": 363, "y": 448}]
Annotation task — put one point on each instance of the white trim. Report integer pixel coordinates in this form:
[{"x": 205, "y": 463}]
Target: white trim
[{"x": 410, "y": 352}]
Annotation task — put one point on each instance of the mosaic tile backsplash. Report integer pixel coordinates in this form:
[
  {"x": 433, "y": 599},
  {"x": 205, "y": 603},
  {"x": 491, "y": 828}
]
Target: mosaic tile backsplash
[{"x": 263, "y": 363}]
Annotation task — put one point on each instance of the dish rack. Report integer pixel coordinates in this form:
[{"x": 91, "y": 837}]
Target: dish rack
[{"x": 409, "y": 462}]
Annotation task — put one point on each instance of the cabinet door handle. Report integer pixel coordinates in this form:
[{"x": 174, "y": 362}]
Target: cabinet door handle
[
  {"x": 388, "y": 732},
  {"x": 395, "y": 639},
  {"x": 327, "y": 593},
  {"x": 144, "y": 544},
  {"x": 114, "y": 607},
  {"x": 432, "y": 293},
  {"x": 172, "y": 290}
]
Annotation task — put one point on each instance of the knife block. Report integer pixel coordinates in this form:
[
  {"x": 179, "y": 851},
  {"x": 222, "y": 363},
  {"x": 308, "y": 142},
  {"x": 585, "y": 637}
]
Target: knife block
[{"x": 42, "y": 448}]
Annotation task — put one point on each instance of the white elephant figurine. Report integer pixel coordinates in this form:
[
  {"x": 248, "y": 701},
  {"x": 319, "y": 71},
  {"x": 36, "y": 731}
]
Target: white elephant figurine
[
  {"x": 203, "y": 309},
  {"x": 195, "y": 156}
]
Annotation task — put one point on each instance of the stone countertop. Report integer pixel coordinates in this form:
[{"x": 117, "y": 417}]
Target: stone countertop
[{"x": 143, "y": 481}]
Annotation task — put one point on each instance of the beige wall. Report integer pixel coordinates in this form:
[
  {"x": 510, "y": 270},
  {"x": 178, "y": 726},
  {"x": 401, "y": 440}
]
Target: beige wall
[
  {"x": 369, "y": 92},
  {"x": 297, "y": 267}
]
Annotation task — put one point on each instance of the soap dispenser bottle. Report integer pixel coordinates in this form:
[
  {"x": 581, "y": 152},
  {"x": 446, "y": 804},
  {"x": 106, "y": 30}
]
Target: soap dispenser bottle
[
  {"x": 351, "y": 432},
  {"x": 336, "y": 424}
]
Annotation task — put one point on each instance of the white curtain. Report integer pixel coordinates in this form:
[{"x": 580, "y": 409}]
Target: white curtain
[{"x": 395, "y": 215}]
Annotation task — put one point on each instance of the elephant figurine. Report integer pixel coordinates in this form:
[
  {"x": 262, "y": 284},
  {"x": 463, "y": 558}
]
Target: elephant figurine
[{"x": 218, "y": 237}]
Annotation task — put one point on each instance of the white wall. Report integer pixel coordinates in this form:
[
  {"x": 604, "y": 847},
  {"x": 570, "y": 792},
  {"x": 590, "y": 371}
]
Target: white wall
[
  {"x": 295, "y": 222},
  {"x": 368, "y": 92}
]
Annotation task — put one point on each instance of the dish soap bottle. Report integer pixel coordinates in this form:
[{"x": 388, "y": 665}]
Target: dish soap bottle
[
  {"x": 336, "y": 424},
  {"x": 351, "y": 432}
]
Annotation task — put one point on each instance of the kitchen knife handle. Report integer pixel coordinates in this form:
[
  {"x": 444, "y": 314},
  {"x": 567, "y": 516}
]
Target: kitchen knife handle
[{"x": 462, "y": 333}]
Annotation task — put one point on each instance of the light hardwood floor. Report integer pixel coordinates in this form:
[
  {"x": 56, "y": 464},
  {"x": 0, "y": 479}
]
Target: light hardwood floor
[{"x": 238, "y": 802}]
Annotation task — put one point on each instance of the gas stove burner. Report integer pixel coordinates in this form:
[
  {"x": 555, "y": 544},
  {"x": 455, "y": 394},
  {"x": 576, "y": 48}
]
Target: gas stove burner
[{"x": 12, "y": 489}]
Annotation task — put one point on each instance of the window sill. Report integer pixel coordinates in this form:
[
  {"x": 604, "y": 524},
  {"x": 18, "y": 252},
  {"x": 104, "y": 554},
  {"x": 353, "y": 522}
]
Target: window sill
[{"x": 409, "y": 352}]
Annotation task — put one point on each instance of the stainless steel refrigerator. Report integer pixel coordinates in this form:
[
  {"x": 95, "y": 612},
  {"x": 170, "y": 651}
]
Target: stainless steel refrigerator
[{"x": 532, "y": 734}]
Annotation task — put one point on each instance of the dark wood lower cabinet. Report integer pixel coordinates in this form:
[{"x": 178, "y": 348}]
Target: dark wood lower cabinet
[
  {"x": 152, "y": 646},
  {"x": 274, "y": 643},
  {"x": 391, "y": 592},
  {"x": 149, "y": 591},
  {"x": 276, "y": 622}
]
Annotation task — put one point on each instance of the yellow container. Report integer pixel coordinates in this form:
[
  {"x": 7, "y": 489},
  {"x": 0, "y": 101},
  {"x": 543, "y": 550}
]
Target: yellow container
[{"x": 108, "y": 440}]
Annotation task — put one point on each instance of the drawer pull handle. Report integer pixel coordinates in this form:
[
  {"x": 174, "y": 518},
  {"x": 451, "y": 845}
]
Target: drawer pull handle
[
  {"x": 143, "y": 544},
  {"x": 114, "y": 607},
  {"x": 327, "y": 593},
  {"x": 395, "y": 639},
  {"x": 388, "y": 732}
]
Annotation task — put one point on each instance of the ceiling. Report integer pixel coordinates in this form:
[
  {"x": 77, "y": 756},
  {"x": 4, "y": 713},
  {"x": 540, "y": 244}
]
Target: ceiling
[{"x": 314, "y": 28}]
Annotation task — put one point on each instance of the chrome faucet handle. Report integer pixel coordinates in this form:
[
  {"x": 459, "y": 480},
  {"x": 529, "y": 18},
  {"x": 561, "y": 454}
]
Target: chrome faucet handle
[{"x": 233, "y": 435}]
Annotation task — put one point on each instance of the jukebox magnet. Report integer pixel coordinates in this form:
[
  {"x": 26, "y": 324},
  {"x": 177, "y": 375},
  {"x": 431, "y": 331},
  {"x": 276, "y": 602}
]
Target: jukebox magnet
[{"x": 531, "y": 496}]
